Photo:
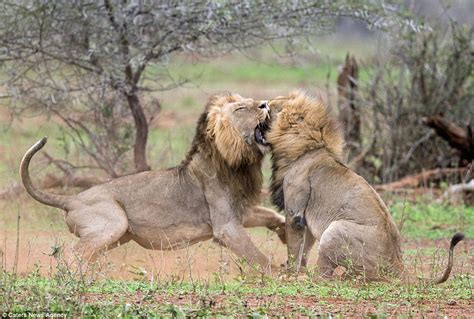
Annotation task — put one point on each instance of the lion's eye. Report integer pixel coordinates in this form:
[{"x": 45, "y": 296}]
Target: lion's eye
[{"x": 240, "y": 108}]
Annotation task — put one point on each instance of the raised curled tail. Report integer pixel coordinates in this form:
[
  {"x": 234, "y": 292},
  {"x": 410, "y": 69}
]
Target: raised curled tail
[
  {"x": 42, "y": 197},
  {"x": 454, "y": 241}
]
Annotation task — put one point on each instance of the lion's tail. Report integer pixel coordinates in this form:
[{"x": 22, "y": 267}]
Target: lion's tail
[
  {"x": 42, "y": 197},
  {"x": 411, "y": 278},
  {"x": 454, "y": 241}
]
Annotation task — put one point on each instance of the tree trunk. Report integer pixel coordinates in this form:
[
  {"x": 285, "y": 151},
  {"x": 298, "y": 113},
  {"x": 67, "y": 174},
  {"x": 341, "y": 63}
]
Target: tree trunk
[
  {"x": 141, "y": 128},
  {"x": 458, "y": 138},
  {"x": 349, "y": 113}
]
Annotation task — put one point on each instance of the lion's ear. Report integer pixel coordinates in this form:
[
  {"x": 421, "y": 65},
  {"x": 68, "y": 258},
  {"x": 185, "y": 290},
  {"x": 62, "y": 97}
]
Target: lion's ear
[{"x": 227, "y": 139}]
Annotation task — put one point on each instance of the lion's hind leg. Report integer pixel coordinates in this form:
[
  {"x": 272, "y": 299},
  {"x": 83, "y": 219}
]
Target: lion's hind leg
[
  {"x": 100, "y": 227},
  {"x": 351, "y": 246}
]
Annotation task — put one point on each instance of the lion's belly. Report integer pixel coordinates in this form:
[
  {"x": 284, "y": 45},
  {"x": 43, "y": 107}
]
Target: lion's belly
[
  {"x": 164, "y": 210},
  {"x": 171, "y": 224},
  {"x": 175, "y": 237}
]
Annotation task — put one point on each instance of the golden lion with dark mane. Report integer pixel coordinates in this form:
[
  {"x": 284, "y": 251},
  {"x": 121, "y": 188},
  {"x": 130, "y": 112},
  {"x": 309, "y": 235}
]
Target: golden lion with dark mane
[
  {"x": 324, "y": 200},
  {"x": 211, "y": 194}
]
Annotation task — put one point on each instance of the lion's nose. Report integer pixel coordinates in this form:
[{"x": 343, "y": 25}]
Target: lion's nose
[{"x": 264, "y": 105}]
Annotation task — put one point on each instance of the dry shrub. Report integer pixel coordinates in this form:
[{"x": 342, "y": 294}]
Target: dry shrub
[{"x": 425, "y": 73}]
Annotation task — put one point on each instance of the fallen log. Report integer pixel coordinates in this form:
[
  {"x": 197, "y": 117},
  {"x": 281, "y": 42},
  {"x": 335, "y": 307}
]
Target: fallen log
[
  {"x": 69, "y": 178},
  {"x": 423, "y": 178},
  {"x": 457, "y": 137},
  {"x": 455, "y": 194},
  {"x": 52, "y": 181}
]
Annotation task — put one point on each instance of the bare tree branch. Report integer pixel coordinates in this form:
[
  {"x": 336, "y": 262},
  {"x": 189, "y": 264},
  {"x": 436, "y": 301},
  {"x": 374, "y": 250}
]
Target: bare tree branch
[{"x": 90, "y": 57}]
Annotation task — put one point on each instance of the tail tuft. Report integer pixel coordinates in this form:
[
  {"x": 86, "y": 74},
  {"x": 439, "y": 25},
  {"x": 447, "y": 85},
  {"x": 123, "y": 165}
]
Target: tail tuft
[
  {"x": 456, "y": 239},
  {"x": 42, "y": 142}
]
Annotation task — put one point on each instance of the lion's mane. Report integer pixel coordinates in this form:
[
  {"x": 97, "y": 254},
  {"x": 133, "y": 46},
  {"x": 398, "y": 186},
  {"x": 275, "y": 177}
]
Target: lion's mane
[
  {"x": 237, "y": 164},
  {"x": 304, "y": 124}
]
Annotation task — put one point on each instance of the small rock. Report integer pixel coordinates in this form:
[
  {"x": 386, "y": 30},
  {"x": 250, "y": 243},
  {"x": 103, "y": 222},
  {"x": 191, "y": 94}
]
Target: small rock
[
  {"x": 340, "y": 272},
  {"x": 452, "y": 302}
]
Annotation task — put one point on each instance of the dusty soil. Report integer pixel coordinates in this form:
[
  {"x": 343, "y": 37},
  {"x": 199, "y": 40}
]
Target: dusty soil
[
  {"x": 33, "y": 250},
  {"x": 30, "y": 250},
  {"x": 201, "y": 261}
]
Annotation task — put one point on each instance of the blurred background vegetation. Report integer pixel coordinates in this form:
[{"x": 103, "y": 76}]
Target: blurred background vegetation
[{"x": 398, "y": 74}]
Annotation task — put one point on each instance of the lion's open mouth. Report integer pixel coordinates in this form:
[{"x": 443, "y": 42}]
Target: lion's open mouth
[{"x": 260, "y": 131}]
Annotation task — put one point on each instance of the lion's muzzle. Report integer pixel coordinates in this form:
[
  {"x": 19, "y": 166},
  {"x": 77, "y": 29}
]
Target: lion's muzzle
[{"x": 264, "y": 106}]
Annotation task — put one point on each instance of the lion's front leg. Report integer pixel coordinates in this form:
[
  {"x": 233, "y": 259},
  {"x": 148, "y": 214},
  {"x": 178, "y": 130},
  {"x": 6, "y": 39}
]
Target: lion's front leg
[
  {"x": 228, "y": 228},
  {"x": 297, "y": 192},
  {"x": 295, "y": 240},
  {"x": 259, "y": 216},
  {"x": 308, "y": 244},
  {"x": 234, "y": 237}
]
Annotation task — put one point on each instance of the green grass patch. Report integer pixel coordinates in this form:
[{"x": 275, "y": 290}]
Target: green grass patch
[
  {"x": 246, "y": 70},
  {"x": 268, "y": 65},
  {"x": 132, "y": 299},
  {"x": 431, "y": 220}
]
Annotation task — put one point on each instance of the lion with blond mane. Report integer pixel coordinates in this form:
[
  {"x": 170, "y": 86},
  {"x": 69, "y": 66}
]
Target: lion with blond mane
[
  {"x": 213, "y": 193},
  {"x": 326, "y": 201}
]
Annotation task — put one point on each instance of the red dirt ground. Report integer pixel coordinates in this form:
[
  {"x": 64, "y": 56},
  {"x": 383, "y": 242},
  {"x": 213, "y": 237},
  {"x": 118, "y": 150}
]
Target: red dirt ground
[
  {"x": 291, "y": 306},
  {"x": 207, "y": 260},
  {"x": 204, "y": 259}
]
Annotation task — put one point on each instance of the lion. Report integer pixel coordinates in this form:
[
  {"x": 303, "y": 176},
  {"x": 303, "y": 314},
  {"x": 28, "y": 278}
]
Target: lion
[
  {"x": 324, "y": 200},
  {"x": 213, "y": 193}
]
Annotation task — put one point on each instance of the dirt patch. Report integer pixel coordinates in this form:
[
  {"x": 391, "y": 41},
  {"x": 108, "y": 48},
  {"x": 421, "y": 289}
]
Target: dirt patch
[
  {"x": 207, "y": 262},
  {"x": 36, "y": 250},
  {"x": 204, "y": 260}
]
